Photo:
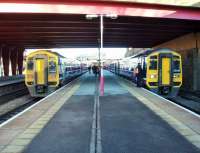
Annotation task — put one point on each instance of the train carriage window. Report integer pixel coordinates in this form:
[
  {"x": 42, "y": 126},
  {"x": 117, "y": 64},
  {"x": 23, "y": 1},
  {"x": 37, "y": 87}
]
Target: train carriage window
[
  {"x": 30, "y": 65},
  {"x": 52, "y": 67},
  {"x": 153, "y": 65},
  {"x": 176, "y": 66}
]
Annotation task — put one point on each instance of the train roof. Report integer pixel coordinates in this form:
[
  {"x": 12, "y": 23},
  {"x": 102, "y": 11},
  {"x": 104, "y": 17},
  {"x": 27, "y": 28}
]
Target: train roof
[
  {"x": 149, "y": 51},
  {"x": 59, "y": 55},
  {"x": 55, "y": 53}
]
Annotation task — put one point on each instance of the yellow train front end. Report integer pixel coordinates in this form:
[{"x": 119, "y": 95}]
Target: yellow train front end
[
  {"x": 42, "y": 73},
  {"x": 164, "y": 72}
]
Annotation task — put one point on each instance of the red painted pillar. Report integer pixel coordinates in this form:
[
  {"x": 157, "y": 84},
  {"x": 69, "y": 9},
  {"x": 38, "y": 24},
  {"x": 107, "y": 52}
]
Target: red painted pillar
[
  {"x": 20, "y": 60},
  {"x": 13, "y": 59},
  {"x": 6, "y": 58}
]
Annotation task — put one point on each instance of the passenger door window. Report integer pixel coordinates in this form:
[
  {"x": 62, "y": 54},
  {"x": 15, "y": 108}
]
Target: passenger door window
[{"x": 52, "y": 67}]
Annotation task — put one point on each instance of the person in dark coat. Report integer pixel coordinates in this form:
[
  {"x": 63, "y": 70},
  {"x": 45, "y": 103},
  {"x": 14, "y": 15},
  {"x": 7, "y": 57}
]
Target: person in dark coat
[
  {"x": 139, "y": 75},
  {"x": 89, "y": 69},
  {"x": 94, "y": 70}
]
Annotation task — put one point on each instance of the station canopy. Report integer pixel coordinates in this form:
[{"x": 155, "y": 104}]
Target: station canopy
[{"x": 56, "y": 24}]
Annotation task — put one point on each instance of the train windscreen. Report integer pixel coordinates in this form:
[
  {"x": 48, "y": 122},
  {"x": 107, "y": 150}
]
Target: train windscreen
[{"x": 30, "y": 64}]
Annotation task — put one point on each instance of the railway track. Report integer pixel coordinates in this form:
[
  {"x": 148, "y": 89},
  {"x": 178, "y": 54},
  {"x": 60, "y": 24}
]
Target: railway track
[
  {"x": 187, "y": 103},
  {"x": 193, "y": 106},
  {"x": 5, "y": 97},
  {"x": 20, "y": 105},
  {"x": 6, "y": 116},
  {"x": 187, "y": 100},
  {"x": 11, "y": 90}
]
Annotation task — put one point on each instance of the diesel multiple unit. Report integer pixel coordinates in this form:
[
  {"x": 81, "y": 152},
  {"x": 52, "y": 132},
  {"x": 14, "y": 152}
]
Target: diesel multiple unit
[
  {"x": 47, "y": 70},
  {"x": 161, "y": 70}
]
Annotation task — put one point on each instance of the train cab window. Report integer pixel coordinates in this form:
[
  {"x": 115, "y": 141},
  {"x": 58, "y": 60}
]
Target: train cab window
[
  {"x": 153, "y": 57},
  {"x": 153, "y": 65},
  {"x": 176, "y": 57},
  {"x": 30, "y": 65},
  {"x": 176, "y": 66},
  {"x": 52, "y": 67}
]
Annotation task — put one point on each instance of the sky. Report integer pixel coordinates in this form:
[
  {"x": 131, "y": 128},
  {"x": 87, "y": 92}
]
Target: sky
[{"x": 72, "y": 53}]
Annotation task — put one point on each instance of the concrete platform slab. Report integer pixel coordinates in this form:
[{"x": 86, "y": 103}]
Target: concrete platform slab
[
  {"x": 70, "y": 129},
  {"x": 129, "y": 123},
  {"x": 129, "y": 126},
  {"x": 6, "y": 136},
  {"x": 22, "y": 129},
  {"x": 178, "y": 113},
  {"x": 184, "y": 121}
]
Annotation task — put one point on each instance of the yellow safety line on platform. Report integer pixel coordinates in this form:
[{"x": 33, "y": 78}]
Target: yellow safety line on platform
[
  {"x": 23, "y": 139},
  {"x": 184, "y": 130}
]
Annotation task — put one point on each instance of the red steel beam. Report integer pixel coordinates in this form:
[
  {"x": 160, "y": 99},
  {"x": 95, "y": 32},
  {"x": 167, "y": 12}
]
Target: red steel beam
[{"x": 100, "y": 7}]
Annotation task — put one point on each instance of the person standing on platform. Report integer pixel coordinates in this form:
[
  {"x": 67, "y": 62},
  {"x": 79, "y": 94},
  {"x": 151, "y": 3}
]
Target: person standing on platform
[
  {"x": 89, "y": 69},
  {"x": 94, "y": 69},
  {"x": 139, "y": 75},
  {"x": 98, "y": 70}
]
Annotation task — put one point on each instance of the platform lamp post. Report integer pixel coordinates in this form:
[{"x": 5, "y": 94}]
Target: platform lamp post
[{"x": 90, "y": 17}]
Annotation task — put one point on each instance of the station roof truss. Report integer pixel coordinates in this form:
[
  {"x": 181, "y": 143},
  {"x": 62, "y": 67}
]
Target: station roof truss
[
  {"x": 148, "y": 52},
  {"x": 65, "y": 29}
]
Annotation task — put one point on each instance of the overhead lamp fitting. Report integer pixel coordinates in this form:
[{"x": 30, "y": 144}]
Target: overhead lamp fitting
[
  {"x": 112, "y": 16},
  {"x": 92, "y": 16}
]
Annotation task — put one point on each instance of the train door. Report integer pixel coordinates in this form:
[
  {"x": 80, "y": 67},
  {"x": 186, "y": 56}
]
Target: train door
[
  {"x": 165, "y": 69},
  {"x": 40, "y": 71}
]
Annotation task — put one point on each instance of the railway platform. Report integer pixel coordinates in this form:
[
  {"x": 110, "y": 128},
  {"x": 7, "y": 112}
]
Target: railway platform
[
  {"x": 126, "y": 119},
  {"x": 4, "y": 81}
]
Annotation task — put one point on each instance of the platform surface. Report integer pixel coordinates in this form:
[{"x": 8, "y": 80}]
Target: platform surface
[
  {"x": 70, "y": 129},
  {"x": 127, "y": 124},
  {"x": 4, "y": 81}
]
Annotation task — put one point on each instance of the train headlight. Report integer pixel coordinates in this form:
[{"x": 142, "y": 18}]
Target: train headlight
[
  {"x": 176, "y": 76},
  {"x": 152, "y": 76},
  {"x": 30, "y": 76}
]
